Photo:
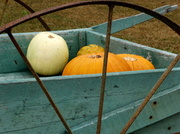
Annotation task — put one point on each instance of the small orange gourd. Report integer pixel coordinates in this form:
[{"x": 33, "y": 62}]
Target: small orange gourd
[
  {"x": 93, "y": 64},
  {"x": 137, "y": 62},
  {"x": 91, "y": 48}
]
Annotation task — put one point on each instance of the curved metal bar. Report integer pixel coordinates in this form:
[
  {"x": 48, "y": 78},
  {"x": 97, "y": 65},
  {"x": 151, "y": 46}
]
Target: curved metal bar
[
  {"x": 167, "y": 21},
  {"x": 32, "y": 11},
  {"x": 103, "y": 82}
]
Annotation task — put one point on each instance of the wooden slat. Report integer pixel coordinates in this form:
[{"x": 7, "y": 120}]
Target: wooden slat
[
  {"x": 161, "y": 106},
  {"x": 15, "y": 76},
  {"x": 169, "y": 125},
  {"x": 10, "y": 59},
  {"x": 24, "y": 107},
  {"x": 124, "y": 23},
  {"x": 160, "y": 58}
]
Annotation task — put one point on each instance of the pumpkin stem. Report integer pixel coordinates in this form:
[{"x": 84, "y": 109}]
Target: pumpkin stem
[
  {"x": 95, "y": 56},
  {"x": 129, "y": 58},
  {"x": 50, "y": 36}
]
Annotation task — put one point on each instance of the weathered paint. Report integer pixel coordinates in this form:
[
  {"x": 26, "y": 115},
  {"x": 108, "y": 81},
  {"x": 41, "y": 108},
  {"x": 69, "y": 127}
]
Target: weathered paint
[
  {"x": 157, "y": 109},
  {"x": 25, "y": 109},
  {"x": 75, "y": 40},
  {"x": 10, "y": 57},
  {"x": 160, "y": 59},
  {"x": 124, "y": 23},
  {"x": 167, "y": 126}
]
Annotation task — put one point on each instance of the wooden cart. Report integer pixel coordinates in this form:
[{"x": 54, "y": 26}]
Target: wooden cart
[{"x": 25, "y": 109}]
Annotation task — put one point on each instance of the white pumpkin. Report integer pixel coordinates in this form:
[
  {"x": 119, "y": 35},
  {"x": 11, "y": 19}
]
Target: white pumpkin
[{"x": 48, "y": 53}]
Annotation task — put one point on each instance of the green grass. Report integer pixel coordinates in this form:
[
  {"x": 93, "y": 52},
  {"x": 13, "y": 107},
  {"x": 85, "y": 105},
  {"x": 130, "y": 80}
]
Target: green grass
[{"x": 151, "y": 33}]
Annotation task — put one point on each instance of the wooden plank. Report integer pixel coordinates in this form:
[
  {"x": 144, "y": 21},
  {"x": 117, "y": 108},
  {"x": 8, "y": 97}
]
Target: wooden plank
[
  {"x": 124, "y": 23},
  {"x": 159, "y": 107},
  {"x": 170, "y": 125},
  {"x": 25, "y": 109},
  {"x": 14, "y": 76},
  {"x": 10, "y": 58},
  {"x": 159, "y": 58},
  {"x": 12, "y": 62}
]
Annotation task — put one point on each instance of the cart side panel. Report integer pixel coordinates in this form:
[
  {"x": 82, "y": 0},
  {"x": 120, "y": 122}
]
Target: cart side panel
[
  {"x": 161, "y": 59},
  {"x": 12, "y": 62},
  {"x": 161, "y": 106},
  {"x": 24, "y": 107},
  {"x": 166, "y": 126},
  {"x": 10, "y": 58},
  {"x": 124, "y": 23}
]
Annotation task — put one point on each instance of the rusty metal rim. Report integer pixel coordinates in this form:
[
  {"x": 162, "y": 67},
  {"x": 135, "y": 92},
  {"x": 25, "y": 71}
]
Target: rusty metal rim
[
  {"x": 32, "y": 11},
  {"x": 167, "y": 21}
]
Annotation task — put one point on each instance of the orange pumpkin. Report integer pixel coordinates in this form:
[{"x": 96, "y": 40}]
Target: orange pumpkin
[
  {"x": 93, "y": 64},
  {"x": 137, "y": 62}
]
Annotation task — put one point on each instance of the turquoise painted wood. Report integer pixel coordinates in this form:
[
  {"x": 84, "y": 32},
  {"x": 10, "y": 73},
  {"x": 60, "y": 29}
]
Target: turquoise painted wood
[
  {"x": 156, "y": 110},
  {"x": 11, "y": 58},
  {"x": 24, "y": 109},
  {"x": 121, "y": 24},
  {"x": 166, "y": 126}
]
